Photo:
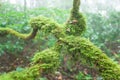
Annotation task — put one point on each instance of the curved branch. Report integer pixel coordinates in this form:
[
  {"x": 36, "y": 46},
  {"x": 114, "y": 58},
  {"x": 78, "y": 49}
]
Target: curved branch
[
  {"x": 5, "y": 31},
  {"x": 41, "y": 23},
  {"x": 32, "y": 34}
]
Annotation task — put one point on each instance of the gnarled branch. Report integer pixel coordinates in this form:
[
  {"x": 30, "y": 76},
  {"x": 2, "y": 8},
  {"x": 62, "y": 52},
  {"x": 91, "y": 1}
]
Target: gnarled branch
[{"x": 5, "y": 31}]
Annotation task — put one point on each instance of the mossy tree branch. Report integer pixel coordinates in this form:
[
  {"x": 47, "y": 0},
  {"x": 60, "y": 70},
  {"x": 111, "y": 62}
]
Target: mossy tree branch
[
  {"x": 79, "y": 48},
  {"x": 48, "y": 26},
  {"x": 45, "y": 61},
  {"x": 49, "y": 59},
  {"x": 45, "y": 25},
  {"x": 76, "y": 23},
  {"x": 5, "y": 31}
]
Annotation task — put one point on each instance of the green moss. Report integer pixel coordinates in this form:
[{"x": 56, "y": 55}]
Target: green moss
[
  {"x": 43, "y": 23},
  {"x": 76, "y": 24},
  {"x": 27, "y": 74},
  {"x": 13, "y": 32},
  {"x": 6, "y": 31},
  {"x": 78, "y": 48},
  {"x": 2, "y": 32},
  {"x": 47, "y": 26},
  {"x": 45, "y": 61},
  {"x": 83, "y": 48},
  {"x": 48, "y": 58}
]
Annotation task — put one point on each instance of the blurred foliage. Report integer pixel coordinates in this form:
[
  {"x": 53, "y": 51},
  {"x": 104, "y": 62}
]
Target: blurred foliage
[
  {"x": 82, "y": 76},
  {"x": 103, "y": 29},
  {"x": 14, "y": 17}
]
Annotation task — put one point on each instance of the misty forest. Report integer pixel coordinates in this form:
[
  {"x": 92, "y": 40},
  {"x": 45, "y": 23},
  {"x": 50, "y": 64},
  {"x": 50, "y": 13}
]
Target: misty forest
[{"x": 59, "y": 40}]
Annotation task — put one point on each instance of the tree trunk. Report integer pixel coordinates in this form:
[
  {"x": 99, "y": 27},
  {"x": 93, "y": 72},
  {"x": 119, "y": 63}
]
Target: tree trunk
[{"x": 76, "y": 45}]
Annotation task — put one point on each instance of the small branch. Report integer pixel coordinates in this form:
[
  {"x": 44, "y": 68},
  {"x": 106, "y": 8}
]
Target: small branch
[
  {"x": 32, "y": 35},
  {"x": 6, "y": 31}
]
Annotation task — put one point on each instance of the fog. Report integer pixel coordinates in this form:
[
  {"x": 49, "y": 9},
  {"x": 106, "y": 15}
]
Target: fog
[{"x": 86, "y": 5}]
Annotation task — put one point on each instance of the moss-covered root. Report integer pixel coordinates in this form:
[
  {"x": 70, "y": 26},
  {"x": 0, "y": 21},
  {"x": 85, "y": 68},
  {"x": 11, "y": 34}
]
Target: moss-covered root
[
  {"x": 76, "y": 24},
  {"x": 106, "y": 67},
  {"x": 45, "y": 61},
  {"x": 6, "y": 31}
]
